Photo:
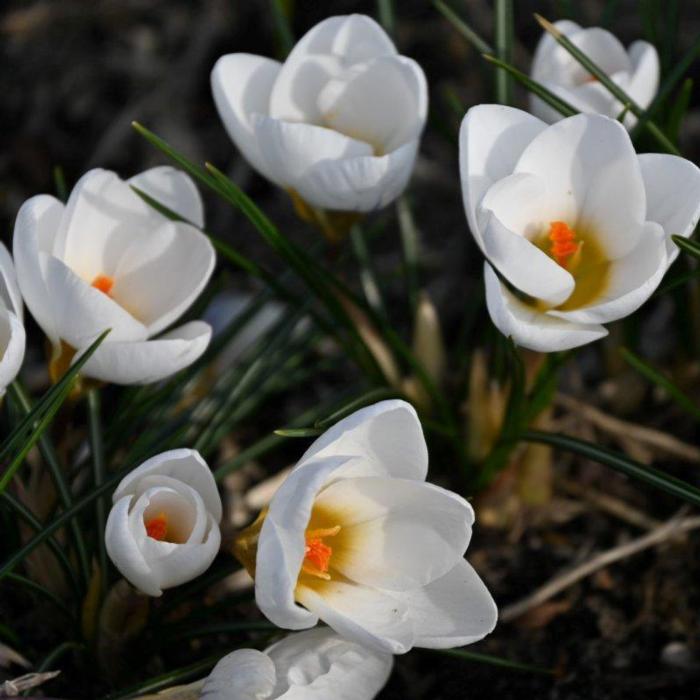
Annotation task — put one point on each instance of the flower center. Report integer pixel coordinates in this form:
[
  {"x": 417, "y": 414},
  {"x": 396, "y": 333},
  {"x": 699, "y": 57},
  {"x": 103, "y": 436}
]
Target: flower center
[
  {"x": 157, "y": 527},
  {"x": 104, "y": 283},
  {"x": 563, "y": 240},
  {"x": 317, "y": 555}
]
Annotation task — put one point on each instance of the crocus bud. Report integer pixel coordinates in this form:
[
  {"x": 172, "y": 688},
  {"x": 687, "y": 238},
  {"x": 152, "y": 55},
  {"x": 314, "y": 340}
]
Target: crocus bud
[
  {"x": 635, "y": 70},
  {"x": 357, "y": 538},
  {"x": 312, "y": 665},
  {"x": 163, "y": 529}
]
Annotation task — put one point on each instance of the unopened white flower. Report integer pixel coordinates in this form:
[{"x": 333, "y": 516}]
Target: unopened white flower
[
  {"x": 576, "y": 224},
  {"x": 163, "y": 529},
  {"x": 109, "y": 260},
  {"x": 312, "y": 665},
  {"x": 12, "y": 336},
  {"x": 338, "y": 123},
  {"x": 358, "y": 538},
  {"x": 635, "y": 70}
]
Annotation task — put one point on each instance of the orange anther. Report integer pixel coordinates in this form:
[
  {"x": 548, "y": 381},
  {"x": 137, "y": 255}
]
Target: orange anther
[
  {"x": 157, "y": 527},
  {"x": 318, "y": 554},
  {"x": 103, "y": 283},
  {"x": 563, "y": 242}
]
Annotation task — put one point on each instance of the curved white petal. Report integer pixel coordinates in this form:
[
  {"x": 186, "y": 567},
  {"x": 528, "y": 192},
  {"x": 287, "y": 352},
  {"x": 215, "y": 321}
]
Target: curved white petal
[
  {"x": 143, "y": 362},
  {"x": 368, "y": 616},
  {"x": 385, "y": 439},
  {"x": 319, "y": 664},
  {"x": 544, "y": 65},
  {"x": 12, "y": 345},
  {"x": 36, "y": 226},
  {"x": 456, "y": 609},
  {"x": 491, "y": 139},
  {"x": 174, "y": 189},
  {"x": 397, "y": 534},
  {"x": 672, "y": 185},
  {"x": 359, "y": 184},
  {"x": 382, "y": 101},
  {"x": 513, "y": 210},
  {"x": 633, "y": 280},
  {"x": 289, "y": 149},
  {"x": 592, "y": 178},
  {"x": 529, "y": 327},
  {"x": 159, "y": 277},
  {"x": 241, "y": 84},
  {"x": 281, "y": 543},
  {"x": 245, "y": 674},
  {"x": 644, "y": 81},
  {"x": 602, "y": 47},
  {"x": 182, "y": 464},
  {"x": 9, "y": 287},
  {"x": 81, "y": 312},
  {"x": 123, "y": 549},
  {"x": 103, "y": 217}
]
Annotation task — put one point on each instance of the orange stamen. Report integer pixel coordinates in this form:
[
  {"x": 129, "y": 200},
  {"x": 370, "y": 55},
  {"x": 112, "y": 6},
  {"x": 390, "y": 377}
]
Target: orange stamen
[
  {"x": 563, "y": 242},
  {"x": 157, "y": 527},
  {"x": 103, "y": 283},
  {"x": 317, "y": 554}
]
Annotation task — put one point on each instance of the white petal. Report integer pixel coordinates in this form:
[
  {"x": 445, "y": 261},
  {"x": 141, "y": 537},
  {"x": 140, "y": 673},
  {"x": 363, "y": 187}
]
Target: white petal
[
  {"x": 513, "y": 210},
  {"x": 633, "y": 280},
  {"x": 241, "y": 84},
  {"x": 354, "y": 37},
  {"x": 160, "y": 276},
  {"x": 530, "y": 328},
  {"x": 124, "y": 552},
  {"x": 386, "y": 439},
  {"x": 37, "y": 223},
  {"x": 245, "y": 674},
  {"x": 602, "y": 47},
  {"x": 12, "y": 344},
  {"x": 289, "y": 150},
  {"x": 9, "y": 287},
  {"x": 543, "y": 67},
  {"x": 644, "y": 81},
  {"x": 319, "y": 664},
  {"x": 398, "y": 534},
  {"x": 368, "y": 616},
  {"x": 182, "y": 464},
  {"x": 456, "y": 609},
  {"x": 143, "y": 362},
  {"x": 281, "y": 543},
  {"x": 383, "y": 102},
  {"x": 173, "y": 189},
  {"x": 673, "y": 195},
  {"x": 103, "y": 217},
  {"x": 491, "y": 139},
  {"x": 592, "y": 177},
  {"x": 361, "y": 184},
  {"x": 82, "y": 312}
]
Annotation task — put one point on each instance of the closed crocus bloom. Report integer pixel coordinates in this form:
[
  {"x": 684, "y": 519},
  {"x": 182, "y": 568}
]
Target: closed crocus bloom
[
  {"x": 12, "y": 336},
  {"x": 635, "y": 70},
  {"x": 163, "y": 529},
  {"x": 358, "y": 538},
  {"x": 575, "y": 225},
  {"x": 312, "y": 665},
  {"x": 337, "y": 124},
  {"x": 108, "y": 260}
]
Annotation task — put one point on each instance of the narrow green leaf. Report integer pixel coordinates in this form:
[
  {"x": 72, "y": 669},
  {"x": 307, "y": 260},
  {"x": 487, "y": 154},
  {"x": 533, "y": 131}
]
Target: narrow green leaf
[
  {"x": 503, "y": 40},
  {"x": 283, "y": 29},
  {"x": 387, "y": 17},
  {"x": 410, "y": 247},
  {"x": 368, "y": 279},
  {"x": 59, "y": 180},
  {"x": 605, "y": 80},
  {"x": 624, "y": 465},
  {"x": 493, "y": 661},
  {"x": 355, "y": 404},
  {"x": 654, "y": 376},
  {"x": 49, "y": 661},
  {"x": 99, "y": 472},
  {"x": 687, "y": 245},
  {"x": 679, "y": 109},
  {"x": 462, "y": 27},
  {"x": 41, "y": 591},
  {"x": 298, "y": 432}
]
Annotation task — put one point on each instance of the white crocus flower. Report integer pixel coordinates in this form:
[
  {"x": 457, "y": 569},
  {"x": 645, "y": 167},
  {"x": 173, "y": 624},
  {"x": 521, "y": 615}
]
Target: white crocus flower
[
  {"x": 12, "y": 336},
  {"x": 358, "y": 538},
  {"x": 163, "y": 529},
  {"x": 109, "y": 260},
  {"x": 576, "y": 224},
  {"x": 635, "y": 70},
  {"x": 312, "y": 665},
  {"x": 337, "y": 124}
]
